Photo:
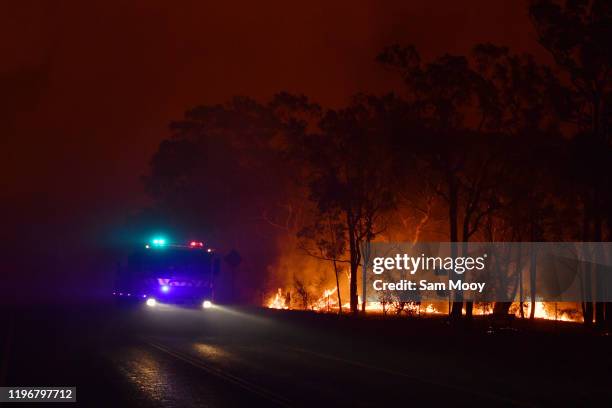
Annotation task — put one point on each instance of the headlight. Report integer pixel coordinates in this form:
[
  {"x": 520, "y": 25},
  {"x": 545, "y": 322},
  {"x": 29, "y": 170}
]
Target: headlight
[
  {"x": 151, "y": 302},
  {"x": 207, "y": 304}
]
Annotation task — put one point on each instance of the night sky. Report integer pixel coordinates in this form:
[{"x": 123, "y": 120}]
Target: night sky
[{"x": 88, "y": 88}]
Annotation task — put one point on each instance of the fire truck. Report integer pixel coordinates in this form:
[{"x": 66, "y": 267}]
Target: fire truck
[{"x": 160, "y": 273}]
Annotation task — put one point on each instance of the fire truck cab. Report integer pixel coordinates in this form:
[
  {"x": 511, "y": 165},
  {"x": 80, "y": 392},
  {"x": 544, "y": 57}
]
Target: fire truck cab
[{"x": 168, "y": 273}]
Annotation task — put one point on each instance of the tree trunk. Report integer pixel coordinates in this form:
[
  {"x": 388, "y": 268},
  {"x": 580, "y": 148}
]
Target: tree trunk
[
  {"x": 501, "y": 308},
  {"x": 353, "y": 288},
  {"x": 469, "y": 310},
  {"x": 532, "y": 279},
  {"x": 453, "y": 204},
  {"x": 365, "y": 256},
  {"x": 353, "y": 248},
  {"x": 469, "y": 304},
  {"x": 599, "y": 284},
  {"x": 587, "y": 307},
  {"x": 335, "y": 263},
  {"x": 599, "y": 314},
  {"x": 517, "y": 272},
  {"x": 587, "y": 304},
  {"x": 338, "y": 287},
  {"x": 520, "y": 278}
]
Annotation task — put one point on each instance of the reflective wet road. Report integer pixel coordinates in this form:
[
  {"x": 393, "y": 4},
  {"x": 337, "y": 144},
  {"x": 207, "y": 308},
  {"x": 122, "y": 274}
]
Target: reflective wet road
[{"x": 228, "y": 357}]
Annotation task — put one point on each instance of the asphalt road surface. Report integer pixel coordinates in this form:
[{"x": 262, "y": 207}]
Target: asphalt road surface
[{"x": 231, "y": 357}]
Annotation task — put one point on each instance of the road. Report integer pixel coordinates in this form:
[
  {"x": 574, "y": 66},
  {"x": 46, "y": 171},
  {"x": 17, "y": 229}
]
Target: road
[{"x": 230, "y": 357}]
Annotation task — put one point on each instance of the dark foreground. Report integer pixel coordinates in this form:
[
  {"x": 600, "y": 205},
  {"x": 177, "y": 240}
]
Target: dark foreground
[{"x": 228, "y": 357}]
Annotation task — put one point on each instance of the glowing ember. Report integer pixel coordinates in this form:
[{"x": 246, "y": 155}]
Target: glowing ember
[{"x": 431, "y": 309}]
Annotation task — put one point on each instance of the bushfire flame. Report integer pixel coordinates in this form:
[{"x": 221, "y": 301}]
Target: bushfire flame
[
  {"x": 328, "y": 303},
  {"x": 278, "y": 301},
  {"x": 549, "y": 311}
]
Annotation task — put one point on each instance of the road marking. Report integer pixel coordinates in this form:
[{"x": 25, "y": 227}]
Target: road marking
[
  {"x": 412, "y": 377},
  {"x": 269, "y": 395}
]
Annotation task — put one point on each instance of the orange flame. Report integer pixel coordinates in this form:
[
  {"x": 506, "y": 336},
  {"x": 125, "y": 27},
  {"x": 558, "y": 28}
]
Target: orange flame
[
  {"x": 278, "y": 301},
  {"x": 328, "y": 303},
  {"x": 550, "y": 311}
]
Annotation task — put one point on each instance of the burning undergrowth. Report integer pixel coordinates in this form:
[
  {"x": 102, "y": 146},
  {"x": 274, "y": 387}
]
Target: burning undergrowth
[
  {"x": 307, "y": 277},
  {"x": 327, "y": 302}
]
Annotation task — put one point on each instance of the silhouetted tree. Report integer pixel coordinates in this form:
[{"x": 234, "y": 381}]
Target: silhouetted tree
[
  {"x": 529, "y": 102},
  {"x": 454, "y": 103},
  {"x": 577, "y": 34},
  {"x": 351, "y": 176},
  {"x": 325, "y": 239}
]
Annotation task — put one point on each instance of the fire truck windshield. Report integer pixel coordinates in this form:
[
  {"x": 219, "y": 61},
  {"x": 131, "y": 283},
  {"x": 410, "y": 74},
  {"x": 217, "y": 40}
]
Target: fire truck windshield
[{"x": 170, "y": 262}]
